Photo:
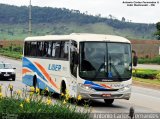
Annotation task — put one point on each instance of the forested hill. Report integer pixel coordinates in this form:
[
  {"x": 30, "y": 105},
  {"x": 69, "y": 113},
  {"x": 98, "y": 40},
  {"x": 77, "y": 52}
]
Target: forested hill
[{"x": 67, "y": 21}]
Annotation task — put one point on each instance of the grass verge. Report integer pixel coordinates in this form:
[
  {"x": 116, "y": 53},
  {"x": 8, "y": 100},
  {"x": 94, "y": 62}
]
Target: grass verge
[
  {"x": 148, "y": 83},
  {"x": 12, "y": 54},
  {"x": 146, "y": 73},
  {"x": 146, "y": 78}
]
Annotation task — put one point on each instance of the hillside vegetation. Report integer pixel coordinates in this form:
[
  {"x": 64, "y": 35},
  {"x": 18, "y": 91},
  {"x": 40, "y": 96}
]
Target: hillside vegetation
[{"x": 46, "y": 20}]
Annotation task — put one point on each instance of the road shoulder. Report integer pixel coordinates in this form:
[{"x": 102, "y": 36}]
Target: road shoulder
[{"x": 146, "y": 85}]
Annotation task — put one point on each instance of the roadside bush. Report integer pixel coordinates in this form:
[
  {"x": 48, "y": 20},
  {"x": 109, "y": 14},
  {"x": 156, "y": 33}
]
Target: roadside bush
[
  {"x": 39, "y": 110},
  {"x": 12, "y": 54},
  {"x": 145, "y": 73},
  {"x": 17, "y": 49},
  {"x": 158, "y": 76},
  {"x": 22, "y": 104},
  {"x": 6, "y": 48},
  {"x": 155, "y": 60}
]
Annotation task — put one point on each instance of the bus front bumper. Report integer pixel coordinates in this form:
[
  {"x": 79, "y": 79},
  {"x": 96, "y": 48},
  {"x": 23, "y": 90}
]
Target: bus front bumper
[{"x": 93, "y": 94}]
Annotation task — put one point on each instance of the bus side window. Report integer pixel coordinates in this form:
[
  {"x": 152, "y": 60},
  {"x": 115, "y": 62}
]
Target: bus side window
[
  {"x": 64, "y": 49},
  {"x": 33, "y": 49},
  {"x": 53, "y": 49},
  {"x": 40, "y": 48},
  {"x": 49, "y": 49},
  {"x": 44, "y": 49},
  {"x": 56, "y": 49},
  {"x": 26, "y": 48}
]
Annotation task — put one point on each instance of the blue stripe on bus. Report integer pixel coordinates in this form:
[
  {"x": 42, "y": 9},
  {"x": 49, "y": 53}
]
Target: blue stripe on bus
[
  {"x": 27, "y": 79},
  {"x": 30, "y": 65},
  {"x": 94, "y": 85}
]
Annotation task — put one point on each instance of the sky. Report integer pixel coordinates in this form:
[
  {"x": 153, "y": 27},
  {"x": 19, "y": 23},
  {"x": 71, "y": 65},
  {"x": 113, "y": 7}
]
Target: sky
[{"x": 118, "y": 9}]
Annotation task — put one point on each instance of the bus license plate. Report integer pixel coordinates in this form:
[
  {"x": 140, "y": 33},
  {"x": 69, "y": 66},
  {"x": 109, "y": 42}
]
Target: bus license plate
[{"x": 106, "y": 95}]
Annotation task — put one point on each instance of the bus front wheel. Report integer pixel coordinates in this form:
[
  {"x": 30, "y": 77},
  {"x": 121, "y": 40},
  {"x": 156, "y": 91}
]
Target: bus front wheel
[
  {"x": 34, "y": 82},
  {"x": 63, "y": 87},
  {"x": 108, "y": 101}
]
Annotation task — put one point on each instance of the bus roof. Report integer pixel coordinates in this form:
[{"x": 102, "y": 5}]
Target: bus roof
[{"x": 80, "y": 37}]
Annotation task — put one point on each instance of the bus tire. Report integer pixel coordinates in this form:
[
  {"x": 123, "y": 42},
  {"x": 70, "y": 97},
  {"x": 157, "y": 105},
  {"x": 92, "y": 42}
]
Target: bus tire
[
  {"x": 63, "y": 87},
  {"x": 108, "y": 101},
  {"x": 41, "y": 92},
  {"x": 34, "y": 82}
]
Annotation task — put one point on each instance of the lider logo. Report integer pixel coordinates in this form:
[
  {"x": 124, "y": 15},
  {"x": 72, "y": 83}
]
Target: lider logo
[
  {"x": 54, "y": 67},
  {"x": 117, "y": 85}
]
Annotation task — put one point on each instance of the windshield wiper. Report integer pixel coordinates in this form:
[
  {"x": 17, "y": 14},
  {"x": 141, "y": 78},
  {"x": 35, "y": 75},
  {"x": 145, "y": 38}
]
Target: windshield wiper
[
  {"x": 99, "y": 70},
  {"x": 103, "y": 64}
]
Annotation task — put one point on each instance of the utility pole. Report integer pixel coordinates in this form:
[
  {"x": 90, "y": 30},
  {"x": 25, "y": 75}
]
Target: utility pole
[{"x": 30, "y": 20}]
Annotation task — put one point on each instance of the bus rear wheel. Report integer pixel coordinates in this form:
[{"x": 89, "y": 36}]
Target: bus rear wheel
[
  {"x": 108, "y": 101},
  {"x": 63, "y": 88},
  {"x": 35, "y": 82}
]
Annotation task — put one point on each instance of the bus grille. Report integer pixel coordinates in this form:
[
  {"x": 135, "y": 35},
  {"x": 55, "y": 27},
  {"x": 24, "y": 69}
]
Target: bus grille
[
  {"x": 106, "y": 89},
  {"x": 100, "y": 96}
]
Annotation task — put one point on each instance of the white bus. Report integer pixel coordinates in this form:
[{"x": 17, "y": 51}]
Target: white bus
[{"x": 94, "y": 66}]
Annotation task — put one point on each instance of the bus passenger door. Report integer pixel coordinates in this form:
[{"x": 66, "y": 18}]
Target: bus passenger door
[{"x": 73, "y": 68}]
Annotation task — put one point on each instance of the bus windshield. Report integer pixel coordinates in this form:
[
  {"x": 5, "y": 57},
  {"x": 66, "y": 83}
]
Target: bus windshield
[{"x": 100, "y": 61}]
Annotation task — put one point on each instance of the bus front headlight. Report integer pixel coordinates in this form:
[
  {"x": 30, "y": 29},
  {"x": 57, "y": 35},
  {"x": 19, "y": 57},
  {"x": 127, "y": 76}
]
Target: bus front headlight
[
  {"x": 125, "y": 88},
  {"x": 85, "y": 87}
]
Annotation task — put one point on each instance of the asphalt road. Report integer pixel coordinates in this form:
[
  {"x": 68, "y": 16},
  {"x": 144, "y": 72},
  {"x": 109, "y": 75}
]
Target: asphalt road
[{"x": 142, "y": 99}]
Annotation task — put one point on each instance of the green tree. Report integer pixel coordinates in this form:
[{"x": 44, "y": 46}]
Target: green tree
[{"x": 157, "y": 33}]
